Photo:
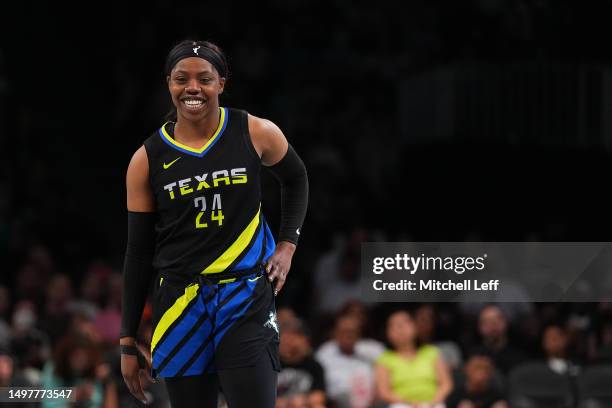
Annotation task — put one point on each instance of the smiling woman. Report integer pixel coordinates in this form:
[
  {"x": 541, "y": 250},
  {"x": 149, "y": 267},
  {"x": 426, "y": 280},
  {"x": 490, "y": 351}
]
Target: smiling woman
[
  {"x": 195, "y": 220},
  {"x": 196, "y": 76}
]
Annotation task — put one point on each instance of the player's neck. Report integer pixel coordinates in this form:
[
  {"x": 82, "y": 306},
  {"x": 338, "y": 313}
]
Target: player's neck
[{"x": 196, "y": 132}]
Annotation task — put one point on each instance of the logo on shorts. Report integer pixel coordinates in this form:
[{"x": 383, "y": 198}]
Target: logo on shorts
[{"x": 272, "y": 322}]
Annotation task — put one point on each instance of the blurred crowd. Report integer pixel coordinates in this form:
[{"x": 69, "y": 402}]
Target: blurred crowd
[
  {"x": 56, "y": 331},
  {"x": 328, "y": 74}
]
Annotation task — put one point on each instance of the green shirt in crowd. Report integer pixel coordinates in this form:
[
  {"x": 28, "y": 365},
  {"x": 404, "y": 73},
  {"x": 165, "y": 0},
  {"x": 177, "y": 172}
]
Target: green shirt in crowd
[{"x": 412, "y": 379}]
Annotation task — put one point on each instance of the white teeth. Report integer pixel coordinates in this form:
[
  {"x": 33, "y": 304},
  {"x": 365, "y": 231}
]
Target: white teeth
[{"x": 193, "y": 102}]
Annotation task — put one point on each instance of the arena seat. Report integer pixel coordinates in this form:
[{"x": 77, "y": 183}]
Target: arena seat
[
  {"x": 534, "y": 385},
  {"x": 595, "y": 387}
]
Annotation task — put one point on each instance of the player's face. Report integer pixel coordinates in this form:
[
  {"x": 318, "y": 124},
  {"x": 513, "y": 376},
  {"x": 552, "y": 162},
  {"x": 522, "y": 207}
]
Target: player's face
[{"x": 195, "y": 86}]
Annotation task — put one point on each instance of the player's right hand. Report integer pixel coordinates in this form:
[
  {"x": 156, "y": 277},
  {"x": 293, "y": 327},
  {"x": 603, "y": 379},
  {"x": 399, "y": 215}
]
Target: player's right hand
[{"x": 131, "y": 375}]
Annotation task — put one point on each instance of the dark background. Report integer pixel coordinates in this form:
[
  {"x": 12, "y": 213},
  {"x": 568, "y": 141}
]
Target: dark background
[
  {"x": 421, "y": 120},
  {"x": 427, "y": 120}
]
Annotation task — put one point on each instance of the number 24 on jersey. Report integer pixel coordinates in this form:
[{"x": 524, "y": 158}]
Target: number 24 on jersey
[{"x": 216, "y": 213}]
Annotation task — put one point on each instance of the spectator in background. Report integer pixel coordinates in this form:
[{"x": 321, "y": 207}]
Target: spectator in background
[
  {"x": 108, "y": 320},
  {"x": 5, "y": 328},
  {"x": 493, "y": 330},
  {"x": 478, "y": 390},
  {"x": 40, "y": 257},
  {"x": 301, "y": 382},
  {"x": 10, "y": 376},
  {"x": 359, "y": 311},
  {"x": 286, "y": 317},
  {"x": 348, "y": 361},
  {"x": 77, "y": 363},
  {"x": 92, "y": 289},
  {"x": 57, "y": 303},
  {"x": 602, "y": 342},
  {"x": 29, "y": 283},
  {"x": 29, "y": 344},
  {"x": 81, "y": 322},
  {"x": 24, "y": 317},
  {"x": 34, "y": 274},
  {"x": 337, "y": 275},
  {"x": 94, "y": 292},
  {"x": 555, "y": 345},
  {"x": 425, "y": 321},
  {"x": 410, "y": 373}
]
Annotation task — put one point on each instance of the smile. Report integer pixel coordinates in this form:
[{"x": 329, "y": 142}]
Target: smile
[{"x": 193, "y": 104}]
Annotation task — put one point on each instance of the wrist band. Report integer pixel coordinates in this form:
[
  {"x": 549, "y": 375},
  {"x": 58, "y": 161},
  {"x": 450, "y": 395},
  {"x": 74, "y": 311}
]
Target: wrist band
[
  {"x": 128, "y": 349},
  {"x": 131, "y": 350}
]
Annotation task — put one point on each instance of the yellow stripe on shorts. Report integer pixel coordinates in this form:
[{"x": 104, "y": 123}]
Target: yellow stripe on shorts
[{"x": 173, "y": 313}]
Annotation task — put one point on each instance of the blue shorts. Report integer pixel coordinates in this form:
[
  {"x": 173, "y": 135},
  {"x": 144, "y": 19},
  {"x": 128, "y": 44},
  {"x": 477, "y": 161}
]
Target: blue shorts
[{"x": 213, "y": 324}]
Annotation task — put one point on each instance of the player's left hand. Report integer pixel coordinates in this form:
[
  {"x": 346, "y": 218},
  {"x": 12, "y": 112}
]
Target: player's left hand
[{"x": 279, "y": 263}]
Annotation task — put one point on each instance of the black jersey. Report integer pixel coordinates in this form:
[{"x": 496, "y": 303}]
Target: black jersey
[{"x": 208, "y": 201}]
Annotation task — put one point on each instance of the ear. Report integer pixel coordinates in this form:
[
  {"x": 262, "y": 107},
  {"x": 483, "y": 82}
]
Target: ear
[
  {"x": 168, "y": 80},
  {"x": 221, "y": 85}
]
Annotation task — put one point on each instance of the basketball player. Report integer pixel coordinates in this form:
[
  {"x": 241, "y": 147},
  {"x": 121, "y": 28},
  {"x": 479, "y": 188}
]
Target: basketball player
[{"x": 196, "y": 229}]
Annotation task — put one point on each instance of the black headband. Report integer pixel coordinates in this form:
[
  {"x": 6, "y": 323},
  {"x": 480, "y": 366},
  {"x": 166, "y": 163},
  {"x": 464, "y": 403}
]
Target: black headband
[{"x": 196, "y": 49}]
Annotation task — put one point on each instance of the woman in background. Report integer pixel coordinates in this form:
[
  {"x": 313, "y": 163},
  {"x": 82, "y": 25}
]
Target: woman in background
[
  {"x": 77, "y": 364},
  {"x": 410, "y": 374}
]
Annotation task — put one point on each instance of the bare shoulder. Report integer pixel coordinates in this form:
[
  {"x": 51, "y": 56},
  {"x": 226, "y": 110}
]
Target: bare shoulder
[
  {"x": 269, "y": 141},
  {"x": 139, "y": 193},
  {"x": 139, "y": 164},
  {"x": 262, "y": 127}
]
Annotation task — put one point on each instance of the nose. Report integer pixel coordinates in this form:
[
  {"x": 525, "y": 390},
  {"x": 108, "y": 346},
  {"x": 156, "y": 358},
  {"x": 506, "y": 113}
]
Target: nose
[{"x": 192, "y": 87}]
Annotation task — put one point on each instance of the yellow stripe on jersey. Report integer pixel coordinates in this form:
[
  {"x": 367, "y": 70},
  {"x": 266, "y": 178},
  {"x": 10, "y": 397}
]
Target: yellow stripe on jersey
[
  {"x": 210, "y": 141},
  {"x": 173, "y": 313},
  {"x": 236, "y": 249}
]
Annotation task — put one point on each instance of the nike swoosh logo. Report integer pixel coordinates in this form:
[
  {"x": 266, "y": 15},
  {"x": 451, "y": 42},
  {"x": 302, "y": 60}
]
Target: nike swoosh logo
[
  {"x": 254, "y": 279},
  {"x": 171, "y": 163}
]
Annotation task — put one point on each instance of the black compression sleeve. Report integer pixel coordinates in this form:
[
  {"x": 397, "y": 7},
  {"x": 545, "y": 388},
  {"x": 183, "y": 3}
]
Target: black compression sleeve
[
  {"x": 292, "y": 176},
  {"x": 137, "y": 269}
]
